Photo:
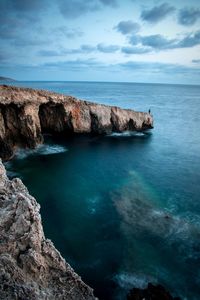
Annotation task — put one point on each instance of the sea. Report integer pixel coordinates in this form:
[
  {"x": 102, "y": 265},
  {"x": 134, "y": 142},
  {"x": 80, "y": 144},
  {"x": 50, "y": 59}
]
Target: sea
[{"x": 123, "y": 209}]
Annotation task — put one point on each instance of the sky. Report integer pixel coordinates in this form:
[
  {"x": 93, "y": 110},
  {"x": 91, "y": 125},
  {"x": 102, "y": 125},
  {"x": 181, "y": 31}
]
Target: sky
[{"x": 101, "y": 40}]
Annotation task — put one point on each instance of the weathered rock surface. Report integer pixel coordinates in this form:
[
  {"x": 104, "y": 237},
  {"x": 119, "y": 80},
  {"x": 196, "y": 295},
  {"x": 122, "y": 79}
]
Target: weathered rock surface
[
  {"x": 25, "y": 114},
  {"x": 30, "y": 266}
]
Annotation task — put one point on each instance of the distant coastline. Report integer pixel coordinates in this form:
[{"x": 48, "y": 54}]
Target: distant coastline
[{"x": 6, "y": 79}]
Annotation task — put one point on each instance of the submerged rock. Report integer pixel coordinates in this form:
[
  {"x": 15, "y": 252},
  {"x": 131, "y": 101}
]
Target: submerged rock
[
  {"x": 26, "y": 114},
  {"x": 30, "y": 266},
  {"x": 152, "y": 292}
]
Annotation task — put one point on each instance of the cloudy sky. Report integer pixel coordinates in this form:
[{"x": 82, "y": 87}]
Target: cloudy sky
[{"x": 101, "y": 40}]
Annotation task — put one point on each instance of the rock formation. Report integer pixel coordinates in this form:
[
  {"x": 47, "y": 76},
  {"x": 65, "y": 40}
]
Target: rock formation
[
  {"x": 25, "y": 114},
  {"x": 30, "y": 266}
]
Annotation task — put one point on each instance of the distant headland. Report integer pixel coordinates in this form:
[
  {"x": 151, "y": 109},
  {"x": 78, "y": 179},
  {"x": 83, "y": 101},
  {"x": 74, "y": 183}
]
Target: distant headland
[{"x": 7, "y": 79}]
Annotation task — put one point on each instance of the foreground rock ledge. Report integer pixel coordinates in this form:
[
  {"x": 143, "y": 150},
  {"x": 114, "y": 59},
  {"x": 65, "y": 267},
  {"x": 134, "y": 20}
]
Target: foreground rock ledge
[
  {"x": 25, "y": 114},
  {"x": 30, "y": 266}
]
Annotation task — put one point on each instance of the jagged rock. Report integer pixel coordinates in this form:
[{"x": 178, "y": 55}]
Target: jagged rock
[
  {"x": 25, "y": 114},
  {"x": 152, "y": 292},
  {"x": 30, "y": 266}
]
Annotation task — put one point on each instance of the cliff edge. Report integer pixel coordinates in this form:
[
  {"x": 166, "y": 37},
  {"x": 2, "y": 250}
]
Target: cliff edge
[
  {"x": 30, "y": 266},
  {"x": 26, "y": 114}
]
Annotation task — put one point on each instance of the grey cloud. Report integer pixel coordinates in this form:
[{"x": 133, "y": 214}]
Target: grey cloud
[
  {"x": 136, "y": 65},
  {"x": 159, "y": 42},
  {"x": 19, "y": 17},
  {"x": 154, "y": 67},
  {"x": 190, "y": 40},
  {"x": 11, "y": 26},
  {"x": 64, "y": 31},
  {"x": 74, "y": 65},
  {"x": 188, "y": 16},
  {"x": 7, "y": 33},
  {"x": 83, "y": 49},
  {"x": 89, "y": 49},
  {"x": 86, "y": 49},
  {"x": 135, "y": 39},
  {"x": 135, "y": 50},
  {"x": 68, "y": 8},
  {"x": 76, "y": 8},
  {"x": 126, "y": 27},
  {"x": 24, "y": 5},
  {"x": 17, "y": 30},
  {"x": 107, "y": 48},
  {"x": 59, "y": 53},
  {"x": 151, "y": 67},
  {"x": 48, "y": 53},
  {"x": 130, "y": 67},
  {"x": 4, "y": 56},
  {"x": 157, "y": 13},
  {"x": 112, "y": 3},
  {"x": 196, "y": 61},
  {"x": 23, "y": 9},
  {"x": 30, "y": 42}
]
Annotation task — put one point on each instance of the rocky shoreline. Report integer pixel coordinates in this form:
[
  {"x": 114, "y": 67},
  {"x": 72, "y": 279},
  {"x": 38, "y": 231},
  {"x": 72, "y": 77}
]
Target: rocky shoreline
[
  {"x": 26, "y": 114},
  {"x": 30, "y": 266}
]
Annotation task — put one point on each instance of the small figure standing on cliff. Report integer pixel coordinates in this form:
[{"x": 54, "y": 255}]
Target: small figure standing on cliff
[{"x": 149, "y": 111}]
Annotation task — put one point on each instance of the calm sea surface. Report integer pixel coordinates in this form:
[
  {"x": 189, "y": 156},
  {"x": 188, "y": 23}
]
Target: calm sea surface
[{"x": 124, "y": 210}]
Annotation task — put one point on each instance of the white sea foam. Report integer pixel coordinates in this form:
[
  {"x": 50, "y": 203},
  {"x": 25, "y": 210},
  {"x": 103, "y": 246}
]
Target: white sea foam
[
  {"x": 41, "y": 150},
  {"x": 52, "y": 149},
  {"x": 130, "y": 280},
  {"x": 126, "y": 134}
]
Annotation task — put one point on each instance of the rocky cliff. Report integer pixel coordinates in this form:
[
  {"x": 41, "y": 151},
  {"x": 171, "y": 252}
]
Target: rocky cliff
[
  {"x": 30, "y": 266},
  {"x": 25, "y": 114}
]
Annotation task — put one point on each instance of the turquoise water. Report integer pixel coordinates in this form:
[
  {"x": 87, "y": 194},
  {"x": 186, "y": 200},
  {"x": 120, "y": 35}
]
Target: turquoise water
[{"x": 124, "y": 210}]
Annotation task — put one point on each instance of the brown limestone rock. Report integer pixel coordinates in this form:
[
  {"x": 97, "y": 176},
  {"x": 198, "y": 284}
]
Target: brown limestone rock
[{"x": 26, "y": 114}]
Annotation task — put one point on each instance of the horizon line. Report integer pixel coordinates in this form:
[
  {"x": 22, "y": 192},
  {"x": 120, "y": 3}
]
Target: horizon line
[{"x": 96, "y": 81}]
